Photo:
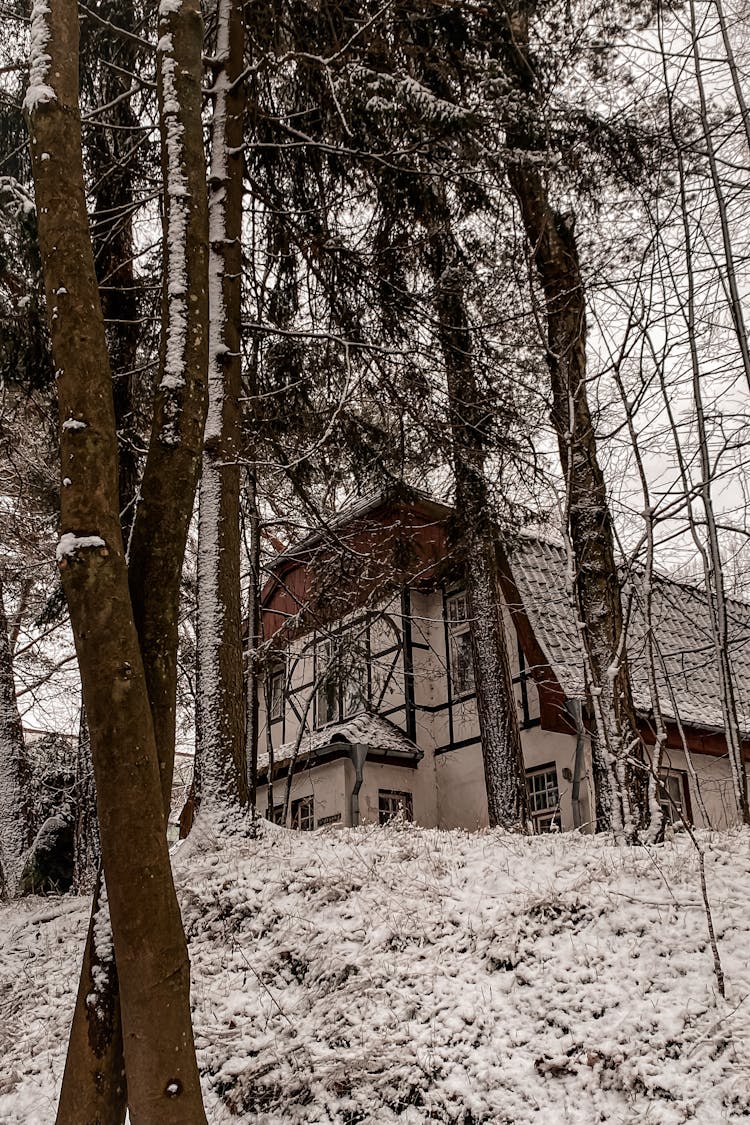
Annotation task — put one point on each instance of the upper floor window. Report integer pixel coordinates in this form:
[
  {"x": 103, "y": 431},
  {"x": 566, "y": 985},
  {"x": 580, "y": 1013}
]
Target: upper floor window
[
  {"x": 459, "y": 643},
  {"x": 341, "y": 675},
  {"x": 276, "y": 680}
]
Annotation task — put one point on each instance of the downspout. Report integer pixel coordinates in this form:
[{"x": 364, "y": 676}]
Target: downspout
[
  {"x": 358, "y": 757},
  {"x": 575, "y": 710}
]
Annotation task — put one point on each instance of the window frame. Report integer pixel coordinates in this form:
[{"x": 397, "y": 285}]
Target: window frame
[
  {"x": 548, "y": 816},
  {"x": 666, "y": 800},
  {"x": 333, "y": 688},
  {"x": 277, "y": 673},
  {"x": 405, "y": 805},
  {"x": 303, "y": 813},
  {"x": 458, "y": 630}
]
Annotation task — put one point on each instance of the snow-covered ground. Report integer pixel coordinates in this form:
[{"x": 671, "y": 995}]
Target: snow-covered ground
[{"x": 411, "y": 975}]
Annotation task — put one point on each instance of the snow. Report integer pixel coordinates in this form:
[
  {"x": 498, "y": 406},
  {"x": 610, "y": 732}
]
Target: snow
[
  {"x": 39, "y": 91},
  {"x": 74, "y": 424},
  {"x": 70, "y": 544},
  {"x": 177, "y": 192},
  {"x": 403, "y": 974}
]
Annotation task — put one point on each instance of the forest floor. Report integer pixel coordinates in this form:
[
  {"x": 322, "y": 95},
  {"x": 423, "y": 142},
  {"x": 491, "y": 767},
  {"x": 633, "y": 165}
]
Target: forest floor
[{"x": 411, "y": 975}]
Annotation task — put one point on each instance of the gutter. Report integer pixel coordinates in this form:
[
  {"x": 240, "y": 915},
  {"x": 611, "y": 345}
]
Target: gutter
[{"x": 358, "y": 757}]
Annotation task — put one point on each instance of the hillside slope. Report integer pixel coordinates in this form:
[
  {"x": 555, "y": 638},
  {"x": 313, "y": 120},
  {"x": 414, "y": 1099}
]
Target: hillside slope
[{"x": 409, "y": 975}]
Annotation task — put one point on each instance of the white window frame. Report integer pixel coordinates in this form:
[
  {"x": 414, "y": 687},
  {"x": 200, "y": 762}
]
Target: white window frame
[
  {"x": 303, "y": 814},
  {"x": 334, "y": 702},
  {"x": 461, "y": 671},
  {"x": 544, "y": 799}
]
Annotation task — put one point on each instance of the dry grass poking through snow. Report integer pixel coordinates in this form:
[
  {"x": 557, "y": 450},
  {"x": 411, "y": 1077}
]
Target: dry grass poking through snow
[{"x": 411, "y": 975}]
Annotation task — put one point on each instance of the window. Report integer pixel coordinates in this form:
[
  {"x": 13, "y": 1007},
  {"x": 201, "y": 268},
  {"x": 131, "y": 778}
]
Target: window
[
  {"x": 303, "y": 814},
  {"x": 544, "y": 798},
  {"x": 459, "y": 644},
  {"x": 392, "y": 803},
  {"x": 276, "y": 679},
  {"x": 341, "y": 675},
  {"x": 673, "y": 797},
  {"x": 326, "y": 692},
  {"x": 278, "y": 814}
]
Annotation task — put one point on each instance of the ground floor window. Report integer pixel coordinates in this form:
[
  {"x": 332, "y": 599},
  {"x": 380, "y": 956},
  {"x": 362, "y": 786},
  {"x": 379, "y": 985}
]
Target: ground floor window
[
  {"x": 278, "y": 814},
  {"x": 393, "y": 802},
  {"x": 303, "y": 814},
  {"x": 544, "y": 798},
  {"x": 673, "y": 797}
]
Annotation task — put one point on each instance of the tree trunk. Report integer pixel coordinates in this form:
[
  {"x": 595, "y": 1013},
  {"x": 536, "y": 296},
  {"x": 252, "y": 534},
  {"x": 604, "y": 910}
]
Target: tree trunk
[
  {"x": 254, "y": 641},
  {"x": 88, "y": 853},
  {"x": 147, "y": 935},
  {"x": 220, "y": 764},
  {"x": 469, "y": 415},
  {"x": 110, "y": 152},
  {"x": 621, "y": 803},
  {"x": 15, "y": 819}
]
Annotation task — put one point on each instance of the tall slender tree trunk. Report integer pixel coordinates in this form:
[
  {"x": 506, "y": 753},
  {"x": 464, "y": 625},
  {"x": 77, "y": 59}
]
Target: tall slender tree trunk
[
  {"x": 15, "y": 819},
  {"x": 146, "y": 929},
  {"x": 469, "y": 417},
  {"x": 109, "y": 150},
  {"x": 254, "y": 641},
  {"x": 220, "y": 765},
  {"x": 620, "y": 784}
]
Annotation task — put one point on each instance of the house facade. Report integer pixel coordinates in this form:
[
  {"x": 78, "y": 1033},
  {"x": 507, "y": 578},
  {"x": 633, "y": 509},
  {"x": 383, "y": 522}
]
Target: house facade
[{"x": 369, "y": 707}]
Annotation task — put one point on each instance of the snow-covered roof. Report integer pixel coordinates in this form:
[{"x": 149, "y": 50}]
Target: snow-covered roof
[
  {"x": 364, "y": 729},
  {"x": 687, "y": 672}
]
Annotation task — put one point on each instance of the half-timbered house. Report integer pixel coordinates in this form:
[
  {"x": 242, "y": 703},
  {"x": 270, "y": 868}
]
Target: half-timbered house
[{"x": 369, "y": 707}]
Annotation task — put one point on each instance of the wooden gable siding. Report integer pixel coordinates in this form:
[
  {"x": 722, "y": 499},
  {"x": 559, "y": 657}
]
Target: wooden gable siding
[{"x": 392, "y": 546}]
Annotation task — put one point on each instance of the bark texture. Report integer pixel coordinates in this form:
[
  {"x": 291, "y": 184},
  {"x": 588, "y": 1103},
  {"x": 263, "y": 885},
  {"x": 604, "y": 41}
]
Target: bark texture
[
  {"x": 92, "y": 1079},
  {"x": 15, "y": 820},
  {"x": 220, "y": 763},
  {"x": 172, "y": 468},
  {"x": 470, "y": 414},
  {"x": 550, "y": 235},
  {"x": 146, "y": 928}
]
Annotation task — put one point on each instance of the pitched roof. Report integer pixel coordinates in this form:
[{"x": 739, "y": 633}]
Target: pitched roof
[
  {"x": 378, "y": 734},
  {"x": 687, "y": 674}
]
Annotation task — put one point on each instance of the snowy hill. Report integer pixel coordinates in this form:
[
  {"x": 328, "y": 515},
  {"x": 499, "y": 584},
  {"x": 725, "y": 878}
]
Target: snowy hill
[{"x": 409, "y": 975}]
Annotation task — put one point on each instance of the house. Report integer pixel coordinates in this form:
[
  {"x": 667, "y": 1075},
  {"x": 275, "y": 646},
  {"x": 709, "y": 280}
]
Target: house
[{"x": 369, "y": 703}]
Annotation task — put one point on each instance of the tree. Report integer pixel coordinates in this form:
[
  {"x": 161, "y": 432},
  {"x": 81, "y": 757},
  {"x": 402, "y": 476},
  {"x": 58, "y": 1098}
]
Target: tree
[
  {"x": 220, "y": 764},
  {"x": 14, "y": 815},
  {"x": 146, "y": 930}
]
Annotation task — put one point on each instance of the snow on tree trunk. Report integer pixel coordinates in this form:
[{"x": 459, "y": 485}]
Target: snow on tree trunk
[
  {"x": 220, "y": 769},
  {"x": 496, "y": 704},
  {"x": 15, "y": 823},
  {"x": 147, "y": 934}
]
